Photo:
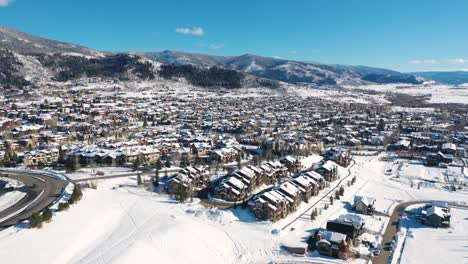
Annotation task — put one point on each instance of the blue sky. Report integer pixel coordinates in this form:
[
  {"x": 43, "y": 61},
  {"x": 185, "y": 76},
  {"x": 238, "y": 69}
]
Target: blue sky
[{"x": 406, "y": 35}]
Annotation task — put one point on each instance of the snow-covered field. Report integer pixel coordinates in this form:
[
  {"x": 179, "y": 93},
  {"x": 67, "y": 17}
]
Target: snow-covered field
[
  {"x": 10, "y": 198},
  {"x": 12, "y": 182},
  {"x": 439, "y": 93},
  {"x": 120, "y": 223},
  {"x": 417, "y": 175},
  {"x": 425, "y": 244},
  {"x": 132, "y": 225},
  {"x": 94, "y": 172}
]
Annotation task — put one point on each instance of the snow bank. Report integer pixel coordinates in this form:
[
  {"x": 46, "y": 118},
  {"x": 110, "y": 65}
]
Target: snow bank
[{"x": 64, "y": 196}]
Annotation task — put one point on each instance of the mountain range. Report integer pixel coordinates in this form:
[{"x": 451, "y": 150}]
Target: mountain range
[
  {"x": 25, "y": 58},
  {"x": 447, "y": 77},
  {"x": 295, "y": 72}
]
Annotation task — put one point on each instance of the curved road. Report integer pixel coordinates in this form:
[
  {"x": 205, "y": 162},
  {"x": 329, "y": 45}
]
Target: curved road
[
  {"x": 40, "y": 191},
  {"x": 392, "y": 228}
]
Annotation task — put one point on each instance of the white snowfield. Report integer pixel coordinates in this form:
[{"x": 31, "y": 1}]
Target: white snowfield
[
  {"x": 12, "y": 182},
  {"x": 439, "y": 93},
  {"x": 130, "y": 225},
  {"x": 120, "y": 223},
  {"x": 10, "y": 198},
  {"x": 450, "y": 243},
  {"x": 92, "y": 172}
]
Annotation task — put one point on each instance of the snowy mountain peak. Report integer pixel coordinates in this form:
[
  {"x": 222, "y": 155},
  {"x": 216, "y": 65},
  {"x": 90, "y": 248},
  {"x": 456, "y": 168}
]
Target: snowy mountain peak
[
  {"x": 24, "y": 43},
  {"x": 287, "y": 70}
]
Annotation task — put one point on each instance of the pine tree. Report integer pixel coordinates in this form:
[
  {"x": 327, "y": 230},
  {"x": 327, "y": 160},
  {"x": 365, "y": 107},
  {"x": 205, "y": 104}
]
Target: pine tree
[
  {"x": 72, "y": 163},
  {"x": 341, "y": 190},
  {"x": 136, "y": 163},
  {"x": 156, "y": 178},
  {"x": 7, "y": 158},
  {"x": 62, "y": 156},
  {"x": 269, "y": 155},
  {"x": 337, "y": 195},
  {"x": 184, "y": 162},
  {"x": 47, "y": 214},
  {"x": 331, "y": 200},
  {"x": 381, "y": 125},
  {"x": 63, "y": 206},
  {"x": 314, "y": 214},
  {"x": 139, "y": 181},
  {"x": 36, "y": 220},
  {"x": 76, "y": 195},
  {"x": 184, "y": 195},
  {"x": 277, "y": 148}
]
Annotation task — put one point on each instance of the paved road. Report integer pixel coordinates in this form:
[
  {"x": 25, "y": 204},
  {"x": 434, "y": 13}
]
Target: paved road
[
  {"x": 392, "y": 228},
  {"x": 40, "y": 191}
]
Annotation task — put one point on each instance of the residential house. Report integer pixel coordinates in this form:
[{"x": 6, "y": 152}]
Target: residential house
[
  {"x": 364, "y": 205},
  {"x": 331, "y": 243},
  {"x": 437, "y": 216}
]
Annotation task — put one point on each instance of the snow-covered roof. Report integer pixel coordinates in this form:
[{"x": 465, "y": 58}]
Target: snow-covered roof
[
  {"x": 274, "y": 197},
  {"x": 314, "y": 175},
  {"x": 236, "y": 183},
  {"x": 329, "y": 165},
  {"x": 304, "y": 181},
  {"x": 333, "y": 237},
  {"x": 435, "y": 210},
  {"x": 289, "y": 189},
  {"x": 364, "y": 199}
]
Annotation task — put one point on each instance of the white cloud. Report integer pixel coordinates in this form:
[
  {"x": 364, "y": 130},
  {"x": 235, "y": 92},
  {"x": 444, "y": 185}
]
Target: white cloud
[
  {"x": 457, "y": 61},
  {"x": 196, "y": 31},
  {"x": 216, "y": 46},
  {"x": 210, "y": 46},
  {"x": 5, "y": 2},
  {"x": 429, "y": 61}
]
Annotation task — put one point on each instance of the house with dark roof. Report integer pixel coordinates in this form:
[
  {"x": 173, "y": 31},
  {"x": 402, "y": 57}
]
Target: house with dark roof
[{"x": 350, "y": 225}]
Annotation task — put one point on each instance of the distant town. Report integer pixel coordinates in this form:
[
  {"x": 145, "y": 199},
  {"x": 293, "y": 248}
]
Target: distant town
[{"x": 301, "y": 164}]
